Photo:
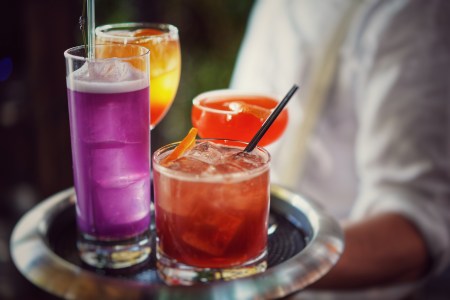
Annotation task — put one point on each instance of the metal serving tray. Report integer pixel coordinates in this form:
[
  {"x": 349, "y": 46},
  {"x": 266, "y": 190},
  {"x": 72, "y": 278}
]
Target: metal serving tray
[{"x": 304, "y": 245}]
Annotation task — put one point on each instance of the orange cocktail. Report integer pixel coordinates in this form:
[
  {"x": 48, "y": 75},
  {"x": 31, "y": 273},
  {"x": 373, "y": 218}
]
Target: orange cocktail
[
  {"x": 211, "y": 211},
  {"x": 165, "y": 59},
  {"x": 237, "y": 115}
]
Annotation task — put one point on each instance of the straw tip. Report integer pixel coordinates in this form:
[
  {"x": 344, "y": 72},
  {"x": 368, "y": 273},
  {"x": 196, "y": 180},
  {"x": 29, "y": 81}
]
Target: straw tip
[{"x": 258, "y": 136}]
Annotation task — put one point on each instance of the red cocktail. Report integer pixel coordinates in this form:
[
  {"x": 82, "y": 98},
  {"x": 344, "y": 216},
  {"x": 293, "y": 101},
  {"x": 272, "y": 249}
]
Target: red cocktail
[
  {"x": 236, "y": 115},
  {"x": 211, "y": 207}
]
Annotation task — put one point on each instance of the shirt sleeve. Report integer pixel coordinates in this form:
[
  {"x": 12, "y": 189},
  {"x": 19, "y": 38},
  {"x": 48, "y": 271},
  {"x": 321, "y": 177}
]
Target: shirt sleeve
[{"x": 402, "y": 146}]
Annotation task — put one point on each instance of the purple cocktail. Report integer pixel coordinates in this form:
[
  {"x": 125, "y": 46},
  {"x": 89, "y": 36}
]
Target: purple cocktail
[{"x": 110, "y": 137}]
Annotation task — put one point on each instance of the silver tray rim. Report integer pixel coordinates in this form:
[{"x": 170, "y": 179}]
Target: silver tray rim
[{"x": 45, "y": 269}]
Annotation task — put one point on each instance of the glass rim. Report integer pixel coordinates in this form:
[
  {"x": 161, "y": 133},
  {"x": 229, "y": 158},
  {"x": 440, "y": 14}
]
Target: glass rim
[
  {"x": 230, "y": 177},
  {"x": 219, "y": 94},
  {"x": 168, "y": 30},
  {"x": 68, "y": 54}
]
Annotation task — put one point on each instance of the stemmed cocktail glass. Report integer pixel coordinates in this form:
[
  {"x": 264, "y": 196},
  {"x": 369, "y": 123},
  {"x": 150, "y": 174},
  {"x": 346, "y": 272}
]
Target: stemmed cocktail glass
[{"x": 165, "y": 59}]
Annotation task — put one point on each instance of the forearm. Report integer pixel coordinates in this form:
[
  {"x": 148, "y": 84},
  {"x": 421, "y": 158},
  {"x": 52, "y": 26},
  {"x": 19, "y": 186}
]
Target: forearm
[{"x": 384, "y": 249}]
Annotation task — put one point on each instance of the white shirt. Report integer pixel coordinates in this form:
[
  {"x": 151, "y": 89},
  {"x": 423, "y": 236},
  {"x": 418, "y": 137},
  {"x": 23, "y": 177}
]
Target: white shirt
[{"x": 381, "y": 140}]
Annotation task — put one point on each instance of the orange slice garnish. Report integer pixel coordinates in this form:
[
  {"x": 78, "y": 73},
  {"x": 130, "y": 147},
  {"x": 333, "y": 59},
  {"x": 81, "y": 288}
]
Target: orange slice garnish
[
  {"x": 147, "y": 32},
  {"x": 187, "y": 143},
  {"x": 255, "y": 110}
]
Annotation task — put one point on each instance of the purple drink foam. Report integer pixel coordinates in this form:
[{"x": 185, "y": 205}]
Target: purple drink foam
[{"x": 109, "y": 122}]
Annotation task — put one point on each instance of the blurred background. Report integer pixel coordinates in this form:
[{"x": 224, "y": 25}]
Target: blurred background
[{"x": 35, "y": 157}]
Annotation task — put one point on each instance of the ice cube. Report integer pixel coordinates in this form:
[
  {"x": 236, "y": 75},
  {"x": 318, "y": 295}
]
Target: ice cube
[
  {"x": 212, "y": 230},
  {"x": 244, "y": 160},
  {"x": 206, "y": 152},
  {"x": 115, "y": 164},
  {"x": 227, "y": 168},
  {"x": 235, "y": 106},
  {"x": 189, "y": 165},
  {"x": 255, "y": 110},
  {"x": 165, "y": 55},
  {"x": 111, "y": 70},
  {"x": 122, "y": 204},
  {"x": 229, "y": 150},
  {"x": 177, "y": 199},
  {"x": 109, "y": 119},
  {"x": 103, "y": 127}
]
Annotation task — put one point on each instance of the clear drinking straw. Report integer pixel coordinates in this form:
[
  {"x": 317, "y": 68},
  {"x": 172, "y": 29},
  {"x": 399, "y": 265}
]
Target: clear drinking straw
[{"x": 91, "y": 28}]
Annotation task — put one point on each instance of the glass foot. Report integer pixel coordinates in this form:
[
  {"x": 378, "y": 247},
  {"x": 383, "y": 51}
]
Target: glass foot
[
  {"x": 176, "y": 273},
  {"x": 114, "y": 254}
]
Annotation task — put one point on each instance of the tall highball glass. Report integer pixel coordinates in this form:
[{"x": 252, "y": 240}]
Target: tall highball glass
[{"x": 110, "y": 138}]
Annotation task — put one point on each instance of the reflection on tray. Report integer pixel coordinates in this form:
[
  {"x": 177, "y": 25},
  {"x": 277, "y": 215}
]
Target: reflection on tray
[
  {"x": 304, "y": 246},
  {"x": 284, "y": 243}
]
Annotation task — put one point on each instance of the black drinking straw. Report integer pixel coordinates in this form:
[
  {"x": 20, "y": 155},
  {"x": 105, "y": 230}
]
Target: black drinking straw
[{"x": 258, "y": 136}]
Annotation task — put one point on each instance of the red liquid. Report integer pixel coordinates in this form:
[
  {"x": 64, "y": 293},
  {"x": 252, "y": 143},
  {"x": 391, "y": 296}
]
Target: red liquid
[
  {"x": 222, "y": 122},
  {"x": 211, "y": 224}
]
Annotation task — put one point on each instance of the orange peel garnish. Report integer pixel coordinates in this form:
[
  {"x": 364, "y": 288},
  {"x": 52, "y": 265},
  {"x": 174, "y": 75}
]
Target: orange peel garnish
[
  {"x": 187, "y": 143},
  {"x": 255, "y": 110}
]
